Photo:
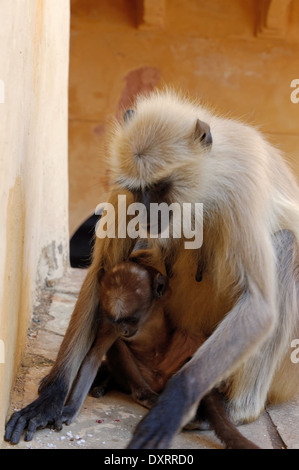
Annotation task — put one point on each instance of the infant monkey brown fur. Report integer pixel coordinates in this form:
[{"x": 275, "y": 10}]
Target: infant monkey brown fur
[{"x": 147, "y": 350}]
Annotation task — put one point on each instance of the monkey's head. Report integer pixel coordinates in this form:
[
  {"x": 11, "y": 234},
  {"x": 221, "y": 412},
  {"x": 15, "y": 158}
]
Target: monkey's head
[
  {"x": 158, "y": 151},
  {"x": 129, "y": 292}
]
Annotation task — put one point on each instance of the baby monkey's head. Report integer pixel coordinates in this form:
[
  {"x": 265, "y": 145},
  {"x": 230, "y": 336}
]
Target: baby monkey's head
[{"x": 128, "y": 293}]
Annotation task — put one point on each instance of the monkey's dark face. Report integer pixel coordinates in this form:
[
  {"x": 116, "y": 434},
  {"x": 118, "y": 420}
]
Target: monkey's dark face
[
  {"x": 128, "y": 293},
  {"x": 160, "y": 192},
  {"x": 127, "y": 327}
]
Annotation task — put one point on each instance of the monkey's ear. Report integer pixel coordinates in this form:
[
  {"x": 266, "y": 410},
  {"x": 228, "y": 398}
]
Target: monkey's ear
[
  {"x": 101, "y": 273},
  {"x": 160, "y": 284},
  {"x": 202, "y": 133},
  {"x": 128, "y": 114}
]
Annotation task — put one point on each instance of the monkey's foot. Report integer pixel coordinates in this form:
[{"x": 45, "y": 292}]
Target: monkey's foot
[
  {"x": 98, "y": 392},
  {"x": 243, "y": 411},
  {"x": 146, "y": 398}
]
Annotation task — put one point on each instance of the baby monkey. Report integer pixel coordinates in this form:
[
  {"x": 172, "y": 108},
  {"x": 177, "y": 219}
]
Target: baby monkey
[{"x": 142, "y": 348}]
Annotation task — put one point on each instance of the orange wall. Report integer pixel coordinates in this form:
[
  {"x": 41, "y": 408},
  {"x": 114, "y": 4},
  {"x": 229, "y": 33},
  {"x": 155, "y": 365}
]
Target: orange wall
[{"x": 209, "y": 49}]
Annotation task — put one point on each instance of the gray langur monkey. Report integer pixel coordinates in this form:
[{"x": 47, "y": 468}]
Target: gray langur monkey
[{"x": 240, "y": 289}]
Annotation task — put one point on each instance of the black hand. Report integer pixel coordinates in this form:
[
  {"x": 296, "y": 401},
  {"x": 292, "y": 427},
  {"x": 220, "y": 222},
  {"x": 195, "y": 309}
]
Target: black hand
[{"x": 45, "y": 410}]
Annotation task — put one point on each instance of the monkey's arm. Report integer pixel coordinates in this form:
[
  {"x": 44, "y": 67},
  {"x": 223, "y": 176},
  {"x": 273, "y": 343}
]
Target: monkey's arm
[
  {"x": 237, "y": 335},
  {"x": 81, "y": 332},
  {"x": 107, "y": 335},
  {"x": 46, "y": 409}
]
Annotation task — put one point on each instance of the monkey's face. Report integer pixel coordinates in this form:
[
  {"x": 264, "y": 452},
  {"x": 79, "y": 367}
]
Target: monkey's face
[
  {"x": 128, "y": 294},
  {"x": 158, "y": 152}
]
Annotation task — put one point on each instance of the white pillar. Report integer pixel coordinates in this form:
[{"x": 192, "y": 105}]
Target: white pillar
[{"x": 34, "y": 60}]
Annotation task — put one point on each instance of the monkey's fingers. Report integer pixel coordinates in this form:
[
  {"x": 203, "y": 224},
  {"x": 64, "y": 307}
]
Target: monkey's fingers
[
  {"x": 17, "y": 425},
  {"x": 10, "y": 426},
  {"x": 32, "y": 427},
  {"x": 38, "y": 414},
  {"x": 37, "y": 423},
  {"x": 68, "y": 414},
  {"x": 18, "y": 430},
  {"x": 151, "y": 433},
  {"x": 57, "y": 423},
  {"x": 15, "y": 428}
]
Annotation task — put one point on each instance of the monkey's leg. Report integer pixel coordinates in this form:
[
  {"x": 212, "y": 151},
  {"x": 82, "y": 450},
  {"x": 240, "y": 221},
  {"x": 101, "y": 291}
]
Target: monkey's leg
[
  {"x": 214, "y": 411},
  {"x": 239, "y": 333},
  {"x": 127, "y": 374},
  {"x": 87, "y": 372},
  {"x": 47, "y": 408}
]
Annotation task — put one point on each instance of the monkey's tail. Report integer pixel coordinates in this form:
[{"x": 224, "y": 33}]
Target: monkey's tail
[{"x": 214, "y": 411}]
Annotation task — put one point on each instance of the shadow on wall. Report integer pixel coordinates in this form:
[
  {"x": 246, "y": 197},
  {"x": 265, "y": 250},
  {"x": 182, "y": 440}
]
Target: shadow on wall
[{"x": 82, "y": 242}]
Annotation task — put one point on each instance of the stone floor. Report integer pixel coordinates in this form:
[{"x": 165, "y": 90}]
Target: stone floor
[{"x": 107, "y": 423}]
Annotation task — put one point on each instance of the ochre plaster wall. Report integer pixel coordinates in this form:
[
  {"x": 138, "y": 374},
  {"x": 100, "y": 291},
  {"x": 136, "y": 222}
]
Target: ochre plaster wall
[
  {"x": 222, "y": 51},
  {"x": 34, "y": 60}
]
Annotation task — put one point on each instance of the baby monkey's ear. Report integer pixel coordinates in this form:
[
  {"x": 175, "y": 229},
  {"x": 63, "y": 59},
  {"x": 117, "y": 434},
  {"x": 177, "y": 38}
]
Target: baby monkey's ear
[
  {"x": 160, "y": 284},
  {"x": 159, "y": 281}
]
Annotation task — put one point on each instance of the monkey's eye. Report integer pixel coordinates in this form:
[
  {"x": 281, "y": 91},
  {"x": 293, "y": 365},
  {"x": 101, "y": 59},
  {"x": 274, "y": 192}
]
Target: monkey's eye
[
  {"x": 162, "y": 187},
  {"x": 128, "y": 320}
]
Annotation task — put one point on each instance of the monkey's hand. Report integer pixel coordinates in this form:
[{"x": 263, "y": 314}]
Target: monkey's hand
[
  {"x": 163, "y": 421},
  {"x": 44, "y": 411}
]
